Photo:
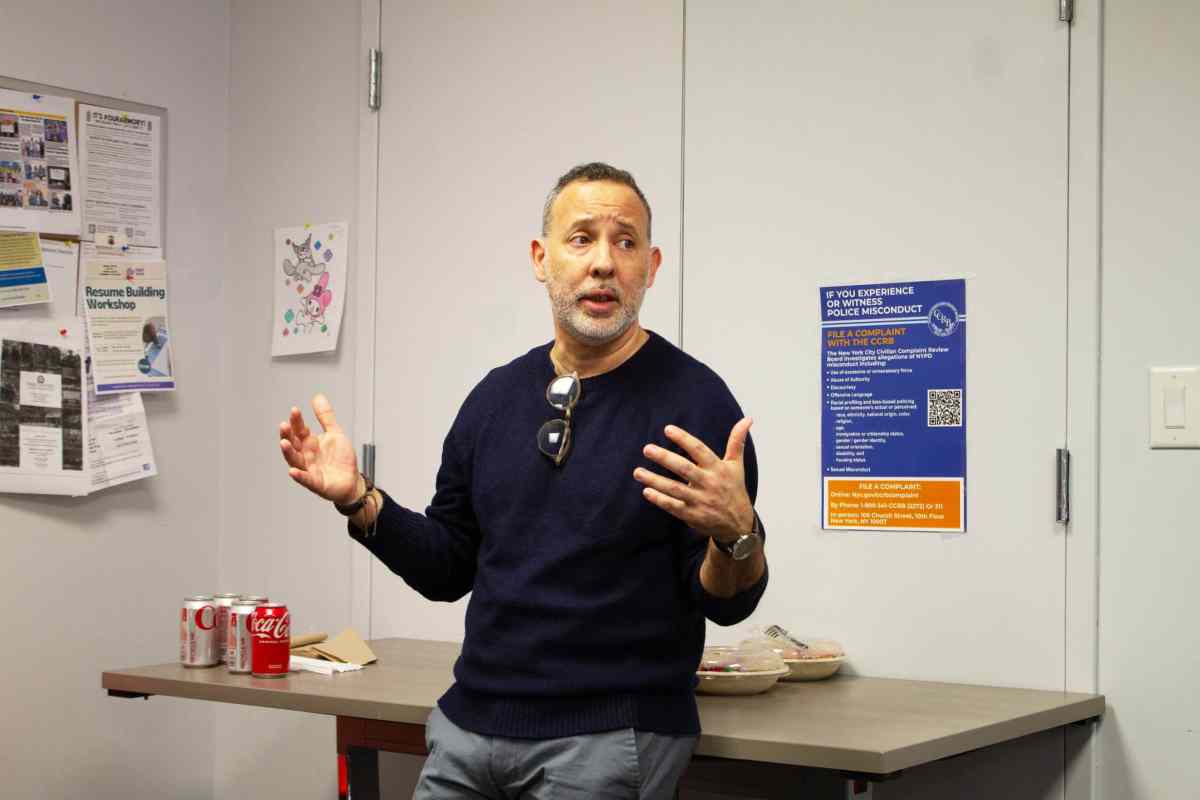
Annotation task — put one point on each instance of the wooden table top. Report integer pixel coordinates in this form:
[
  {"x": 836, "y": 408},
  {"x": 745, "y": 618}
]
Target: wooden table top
[{"x": 868, "y": 725}]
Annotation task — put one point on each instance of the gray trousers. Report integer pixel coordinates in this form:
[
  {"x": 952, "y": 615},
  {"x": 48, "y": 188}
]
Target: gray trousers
[{"x": 614, "y": 765}]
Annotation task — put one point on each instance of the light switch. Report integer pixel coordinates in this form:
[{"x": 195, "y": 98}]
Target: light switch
[{"x": 1175, "y": 407}]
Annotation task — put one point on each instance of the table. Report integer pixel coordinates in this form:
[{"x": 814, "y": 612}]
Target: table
[{"x": 828, "y": 732}]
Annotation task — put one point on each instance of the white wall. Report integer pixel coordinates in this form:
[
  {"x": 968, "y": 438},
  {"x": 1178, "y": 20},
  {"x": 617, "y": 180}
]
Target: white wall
[
  {"x": 95, "y": 583},
  {"x": 1150, "y": 548},
  {"x": 296, "y": 91}
]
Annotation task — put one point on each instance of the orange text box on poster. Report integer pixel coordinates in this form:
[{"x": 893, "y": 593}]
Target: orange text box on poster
[{"x": 927, "y": 503}]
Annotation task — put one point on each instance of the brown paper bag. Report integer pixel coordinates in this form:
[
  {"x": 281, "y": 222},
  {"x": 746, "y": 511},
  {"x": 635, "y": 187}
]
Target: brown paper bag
[
  {"x": 306, "y": 639},
  {"x": 347, "y": 647}
]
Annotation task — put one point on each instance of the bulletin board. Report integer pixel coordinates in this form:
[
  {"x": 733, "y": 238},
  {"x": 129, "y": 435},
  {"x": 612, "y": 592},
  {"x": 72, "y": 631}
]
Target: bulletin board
[{"x": 72, "y": 420}]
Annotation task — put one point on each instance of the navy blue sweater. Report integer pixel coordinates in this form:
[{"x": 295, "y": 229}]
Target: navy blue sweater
[{"x": 586, "y": 611}]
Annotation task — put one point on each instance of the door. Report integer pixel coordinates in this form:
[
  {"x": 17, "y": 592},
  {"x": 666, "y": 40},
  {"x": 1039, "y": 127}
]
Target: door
[
  {"x": 861, "y": 142},
  {"x": 484, "y": 106}
]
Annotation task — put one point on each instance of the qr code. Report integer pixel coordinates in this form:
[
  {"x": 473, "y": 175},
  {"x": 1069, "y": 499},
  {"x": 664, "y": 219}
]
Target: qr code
[{"x": 945, "y": 408}]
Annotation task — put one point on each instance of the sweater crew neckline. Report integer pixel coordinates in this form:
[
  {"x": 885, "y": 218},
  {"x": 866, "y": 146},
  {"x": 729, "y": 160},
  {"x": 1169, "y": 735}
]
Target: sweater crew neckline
[{"x": 626, "y": 367}]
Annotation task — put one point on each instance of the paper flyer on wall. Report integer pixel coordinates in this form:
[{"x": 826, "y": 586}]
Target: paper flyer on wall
[
  {"x": 129, "y": 335},
  {"x": 310, "y": 288},
  {"x": 119, "y": 446},
  {"x": 23, "y": 279},
  {"x": 42, "y": 407},
  {"x": 61, "y": 262},
  {"x": 894, "y": 410},
  {"x": 118, "y": 437},
  {"x": 62, "y": 271},
  {"x": 120, "y": 159},
  {"x": 38, "y": 167}
]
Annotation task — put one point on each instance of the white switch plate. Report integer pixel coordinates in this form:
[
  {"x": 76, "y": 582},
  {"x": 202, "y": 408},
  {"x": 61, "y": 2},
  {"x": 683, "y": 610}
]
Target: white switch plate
[{"x": 1174, "y": 407}]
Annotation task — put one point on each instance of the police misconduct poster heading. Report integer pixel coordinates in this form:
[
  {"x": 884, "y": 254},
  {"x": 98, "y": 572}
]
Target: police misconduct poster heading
[{"x": 893, "y": 406}]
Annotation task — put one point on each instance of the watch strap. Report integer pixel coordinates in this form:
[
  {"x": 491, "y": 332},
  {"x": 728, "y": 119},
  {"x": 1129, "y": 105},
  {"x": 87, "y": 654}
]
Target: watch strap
[
  {"x": 728, "y": 548},
  {"x": 350, "y": 509}
]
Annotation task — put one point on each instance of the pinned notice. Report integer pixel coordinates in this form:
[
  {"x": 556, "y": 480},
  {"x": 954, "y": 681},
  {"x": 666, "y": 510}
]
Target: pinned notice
[
  {"x": 893, "y": 419},
  {"x": 126, "y": 307},
  {"x": 39, "y": 174},
  {"x": 23, "y": 278}
]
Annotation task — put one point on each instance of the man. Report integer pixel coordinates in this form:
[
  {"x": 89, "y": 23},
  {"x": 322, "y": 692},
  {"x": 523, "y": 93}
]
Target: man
[{"x": 595, "y": 497}]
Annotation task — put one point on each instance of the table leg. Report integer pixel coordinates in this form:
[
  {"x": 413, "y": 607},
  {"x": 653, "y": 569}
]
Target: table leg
[
  {"x": 858, "y": 789},
  {"x": 362, "y": 773},
  {"x": 359, "y": 742}
]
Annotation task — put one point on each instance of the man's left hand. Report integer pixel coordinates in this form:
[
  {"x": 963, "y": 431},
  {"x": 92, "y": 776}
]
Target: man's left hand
[{"x": 711, "y": 497}]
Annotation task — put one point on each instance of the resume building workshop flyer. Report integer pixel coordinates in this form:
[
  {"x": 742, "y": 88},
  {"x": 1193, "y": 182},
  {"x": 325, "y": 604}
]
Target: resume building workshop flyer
[
  {"x": 893, "y": 406},
  {"x": 126, "y": 307}
]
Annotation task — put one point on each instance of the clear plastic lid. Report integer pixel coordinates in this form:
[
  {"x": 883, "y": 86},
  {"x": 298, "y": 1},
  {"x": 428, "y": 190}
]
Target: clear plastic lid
[
  {"x": 749, "y": 656},
  {"x": 796, "y": 648}
]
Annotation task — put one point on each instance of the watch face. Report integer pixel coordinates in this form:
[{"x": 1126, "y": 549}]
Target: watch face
[{"x": 744, "y": 547}]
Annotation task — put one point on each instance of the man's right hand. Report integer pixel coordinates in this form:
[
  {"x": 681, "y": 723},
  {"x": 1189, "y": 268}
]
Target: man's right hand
[{"x": 325, "y": 463}]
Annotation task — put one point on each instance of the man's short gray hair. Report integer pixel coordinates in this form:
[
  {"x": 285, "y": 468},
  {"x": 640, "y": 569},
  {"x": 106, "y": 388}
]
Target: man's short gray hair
[{"x": 594, "y": 171}]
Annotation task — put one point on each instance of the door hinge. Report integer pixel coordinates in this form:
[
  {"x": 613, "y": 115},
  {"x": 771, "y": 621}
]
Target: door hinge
[
  {"x": 374, "y": 76},
  {"x": 368, "y": 461},
  {"x": 1063, "y": 475},
  {"x": 1066, "y": 11}
]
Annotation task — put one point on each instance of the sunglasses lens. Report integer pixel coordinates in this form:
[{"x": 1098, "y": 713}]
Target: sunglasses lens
[
  {"x": 553, "y": 439},
  {"x": 563, "y": 392}
]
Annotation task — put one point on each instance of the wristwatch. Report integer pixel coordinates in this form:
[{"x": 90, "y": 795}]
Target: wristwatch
[{"x": 744, "y": 546}]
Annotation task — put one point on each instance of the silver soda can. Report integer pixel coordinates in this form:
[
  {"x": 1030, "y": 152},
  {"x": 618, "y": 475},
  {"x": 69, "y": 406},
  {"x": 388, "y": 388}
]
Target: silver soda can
[
  {"x": 197, "y": 632},
  {"x": 258, "y": 598},
  {"x": 223, "y": 602},
  {"x": 238, "y": 636}
]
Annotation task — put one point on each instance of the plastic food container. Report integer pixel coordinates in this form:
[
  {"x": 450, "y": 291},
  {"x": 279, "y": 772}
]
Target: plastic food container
[
  {"x": 748, "y": 668},
  {"x": 807, "y": 659}
]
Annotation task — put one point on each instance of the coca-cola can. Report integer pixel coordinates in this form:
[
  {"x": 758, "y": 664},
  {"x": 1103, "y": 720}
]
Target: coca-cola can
[
  {"x": 258, "y": 598},
  {"x": 223, "y": 602},
  {"x": 271, "y": 629},
  {"x": 240, "y": 642},
  {"x": 197, "y": 632}
]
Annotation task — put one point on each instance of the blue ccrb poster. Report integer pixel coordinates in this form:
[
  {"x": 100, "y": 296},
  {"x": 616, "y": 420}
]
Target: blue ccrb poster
[{"x": 893, "y": 406}]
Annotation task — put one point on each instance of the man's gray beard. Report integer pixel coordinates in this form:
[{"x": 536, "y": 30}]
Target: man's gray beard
[{"x": 588, "y": 329}]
